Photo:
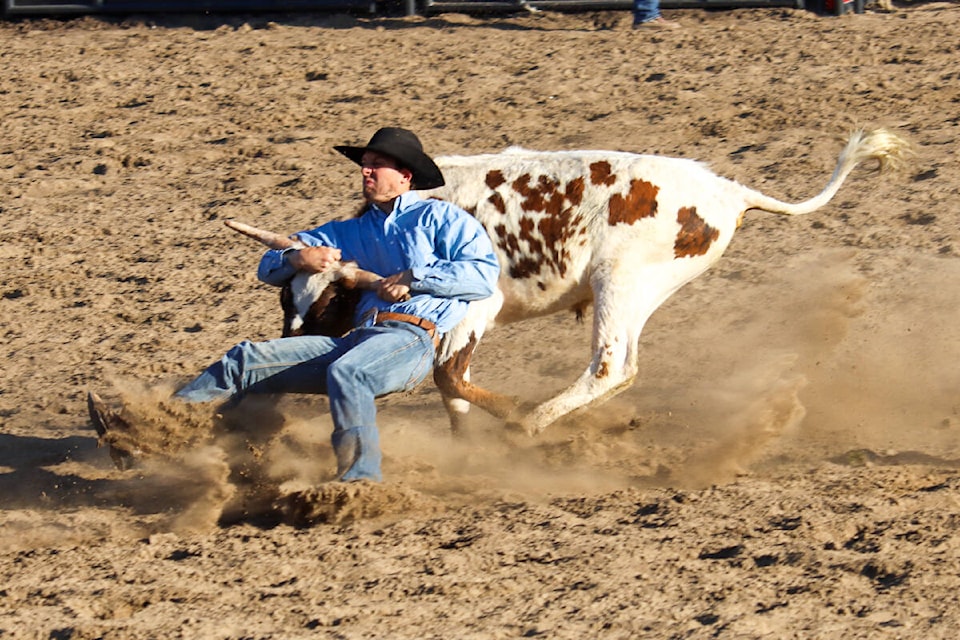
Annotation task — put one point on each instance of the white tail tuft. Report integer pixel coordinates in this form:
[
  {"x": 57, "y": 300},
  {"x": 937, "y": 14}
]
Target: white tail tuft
[{"x": 887, "y": 148}]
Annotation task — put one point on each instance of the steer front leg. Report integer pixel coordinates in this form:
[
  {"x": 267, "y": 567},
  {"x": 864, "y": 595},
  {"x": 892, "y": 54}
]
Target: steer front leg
[
  {"x": 452, "y": 377},
  {"x": 620, "y": 311},
  {"x": 587, "y": 390},
  {"x": 451, "y": 371}
]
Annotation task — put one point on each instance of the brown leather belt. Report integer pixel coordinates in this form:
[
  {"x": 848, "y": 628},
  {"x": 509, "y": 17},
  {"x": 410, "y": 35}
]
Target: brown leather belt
[{"x": 423, "y": 323}]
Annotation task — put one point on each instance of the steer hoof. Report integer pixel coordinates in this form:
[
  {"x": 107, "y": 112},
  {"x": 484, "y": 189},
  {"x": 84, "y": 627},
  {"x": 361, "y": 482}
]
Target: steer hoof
[
  {"x": 522, "y": 427},
  {"x": 514, "y": 426},
  {"x": 111, "y": 428},
  {"x": 519, "y": 421}
]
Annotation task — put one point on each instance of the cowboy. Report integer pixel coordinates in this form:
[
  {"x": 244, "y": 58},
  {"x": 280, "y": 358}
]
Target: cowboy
[{"x": 438, "y": 258}]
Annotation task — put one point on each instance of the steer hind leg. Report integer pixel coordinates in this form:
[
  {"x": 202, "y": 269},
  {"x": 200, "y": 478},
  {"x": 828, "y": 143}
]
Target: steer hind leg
[{"x": 617, "y": 323}]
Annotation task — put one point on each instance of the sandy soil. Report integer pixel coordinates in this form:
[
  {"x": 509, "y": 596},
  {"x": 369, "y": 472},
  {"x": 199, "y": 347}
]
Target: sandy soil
[{"x": 788, "y": 464}]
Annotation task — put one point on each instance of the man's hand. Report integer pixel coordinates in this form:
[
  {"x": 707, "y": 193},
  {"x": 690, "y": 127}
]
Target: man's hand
[
  {"x": 395, "y": 288},
  {"x": 314, "y": 259}
]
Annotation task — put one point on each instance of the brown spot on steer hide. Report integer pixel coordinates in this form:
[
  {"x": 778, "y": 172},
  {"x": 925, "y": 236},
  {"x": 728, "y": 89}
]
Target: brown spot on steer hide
[
  {"x": 695, "y": 235},
  {"x": 495, "y": 178},
  {"x": 601, "y": 173},
  {"x": 524, "y": 268},
  {"x": 541, "y": 196},
  {"x": 575, "y": 190},
  {"x": 639, "y": 203},
  {"x": 603, "y": 367},
  {"x": 527, "y": 233},
  {"x": 497, "y": 201},
  {"x": 541, "y": 240}
]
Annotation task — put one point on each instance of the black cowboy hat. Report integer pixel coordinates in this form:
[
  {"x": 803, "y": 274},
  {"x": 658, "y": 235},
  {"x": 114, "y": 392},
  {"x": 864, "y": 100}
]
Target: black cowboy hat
[{"x": 405, "y": 148}]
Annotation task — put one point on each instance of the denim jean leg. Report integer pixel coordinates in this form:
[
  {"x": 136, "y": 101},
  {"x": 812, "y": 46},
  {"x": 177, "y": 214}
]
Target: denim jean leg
[
  {"x": 645, "y": 10},
  {"x": 358, "y": 453},
  {"x": 286, "y": 365},
  {"x": 388, "y": 358}
]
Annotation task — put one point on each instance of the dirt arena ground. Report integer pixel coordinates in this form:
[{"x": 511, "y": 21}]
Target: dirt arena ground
[{"x": 786, "y": 466}]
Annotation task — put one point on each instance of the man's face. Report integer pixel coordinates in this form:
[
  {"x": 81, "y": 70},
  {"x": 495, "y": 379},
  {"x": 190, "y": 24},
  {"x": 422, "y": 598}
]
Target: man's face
[{"x": 383, "y": 181}]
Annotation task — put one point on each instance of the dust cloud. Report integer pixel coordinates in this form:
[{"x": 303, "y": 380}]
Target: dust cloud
[{"x": 804, "y": 361}]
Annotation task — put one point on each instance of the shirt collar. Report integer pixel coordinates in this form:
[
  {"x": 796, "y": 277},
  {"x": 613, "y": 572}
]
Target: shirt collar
[{"x": 403, "y": 201}]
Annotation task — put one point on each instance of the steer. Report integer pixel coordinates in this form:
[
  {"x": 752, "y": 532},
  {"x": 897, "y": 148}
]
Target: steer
[{"x": 619, "y": 230}]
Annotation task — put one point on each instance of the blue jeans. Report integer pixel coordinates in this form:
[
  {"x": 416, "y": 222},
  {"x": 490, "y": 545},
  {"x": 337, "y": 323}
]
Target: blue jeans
[
  {"x": 645, "y": 10},
  {"x": 352, "y": 371}
]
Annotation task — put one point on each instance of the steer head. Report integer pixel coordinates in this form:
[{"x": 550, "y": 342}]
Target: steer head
[
  {"x": 314, "y": 303},
  {"x": 330, "y": 312}
]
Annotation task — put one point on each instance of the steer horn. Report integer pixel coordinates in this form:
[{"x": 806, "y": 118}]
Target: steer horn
[
  {"x": 348, "y": 273},
  {"x": 272, "y": 240}
]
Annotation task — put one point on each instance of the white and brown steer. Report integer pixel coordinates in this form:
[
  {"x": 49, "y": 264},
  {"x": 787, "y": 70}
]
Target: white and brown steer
[{"x": 619, "y": 230}]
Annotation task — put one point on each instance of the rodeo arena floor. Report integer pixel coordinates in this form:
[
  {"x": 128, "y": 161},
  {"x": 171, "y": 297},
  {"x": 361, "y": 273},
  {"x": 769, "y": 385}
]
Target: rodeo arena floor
[{"x": 785, "y": 465}]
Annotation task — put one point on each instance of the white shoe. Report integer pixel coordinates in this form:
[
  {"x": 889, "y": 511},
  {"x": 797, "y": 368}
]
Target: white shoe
[{"x": 657, "y": 23}]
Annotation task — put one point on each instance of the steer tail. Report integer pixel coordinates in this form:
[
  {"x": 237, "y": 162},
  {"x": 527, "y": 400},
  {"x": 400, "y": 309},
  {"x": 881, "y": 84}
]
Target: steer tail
[
  {"x": 882, "y": 145},
  {"x": 272, "y": 240}
]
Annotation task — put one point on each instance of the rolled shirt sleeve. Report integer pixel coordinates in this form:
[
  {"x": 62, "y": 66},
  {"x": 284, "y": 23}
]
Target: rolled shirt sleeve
[{"x": 468, "y": 269}]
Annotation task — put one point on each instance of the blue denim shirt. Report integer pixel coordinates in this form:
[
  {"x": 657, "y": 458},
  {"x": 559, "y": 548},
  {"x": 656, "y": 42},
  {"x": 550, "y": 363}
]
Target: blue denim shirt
[{"x": 449, "y": 252}]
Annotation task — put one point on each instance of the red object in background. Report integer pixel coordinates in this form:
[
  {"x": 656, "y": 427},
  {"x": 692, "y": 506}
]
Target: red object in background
[{"x": 844, "y": 6}]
